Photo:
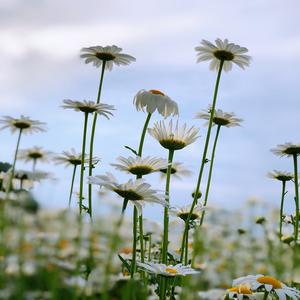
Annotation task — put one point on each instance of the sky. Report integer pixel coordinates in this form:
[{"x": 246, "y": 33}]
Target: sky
[{"x": 40, "y": 66}]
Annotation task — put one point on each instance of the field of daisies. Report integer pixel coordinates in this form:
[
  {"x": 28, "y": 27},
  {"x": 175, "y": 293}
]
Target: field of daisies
[{"x": 196, "y": 251}]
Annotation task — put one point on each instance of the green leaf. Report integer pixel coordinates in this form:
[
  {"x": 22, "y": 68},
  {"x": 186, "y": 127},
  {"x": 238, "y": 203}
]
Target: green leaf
[{"x": 132, "y": 150}]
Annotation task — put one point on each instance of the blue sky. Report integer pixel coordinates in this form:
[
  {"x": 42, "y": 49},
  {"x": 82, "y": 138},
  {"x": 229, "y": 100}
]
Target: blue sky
[{"x": 40, "y": 66}]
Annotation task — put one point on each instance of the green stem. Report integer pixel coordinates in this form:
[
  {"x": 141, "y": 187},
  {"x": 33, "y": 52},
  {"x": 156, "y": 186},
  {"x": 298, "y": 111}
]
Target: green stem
[
  {"x": 210, "y": 172},
  {"x": 265, "y": 296},
  {"x": 296, "y": 197},
  {"x": 186, "y": 256},
  {"x": 149, "y": 247},
  {"x": 143, "y": 134},
  {"x": 166, "y": 210},
  {"x": 281, "y": 208},
  {"x": 72, "y": 184},
  {"x": 133, "y": 260},
  {"x": 12, "y": 174},
  {"x": 203, "y": 161},
  {"x": 82, "y": 161},
  {"x": 93, "y": 137}
]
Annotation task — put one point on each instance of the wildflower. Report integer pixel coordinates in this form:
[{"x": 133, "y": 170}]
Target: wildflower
[
  {"x": 173, "y": 138},
  {"x": 89, "y": 107},
  {"x": 287, "y": 149},
  {"x": 109, "y": 55},
  {"x": 167, "y": 270},
  {"x": 183, "y": 212},
  {"x": 25, "y": 124},
  {"x": 223, "y": 51},
  {"x": 155, "y": 100},
  {"x": 220, "y": 118},
  {"x": 140, "y": 166},
  {"x": 177, "y": 171},
  {"x": 34, "y": 154},
  {"x": 136, "y": 191},
  {"x": 281, "y": 175},
  {"x": 240, "y": 291}
]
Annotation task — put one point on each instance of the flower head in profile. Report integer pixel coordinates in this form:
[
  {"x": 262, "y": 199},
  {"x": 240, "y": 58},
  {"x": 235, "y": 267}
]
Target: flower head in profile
[
  {"x": 178, "y": 170},
  {"x": 35, "y": 153},
  {"x": 89, "y": 107},
  {"x": 73, "y": 158},
  {"x": 268, "y": 284},
  {"x": 183, "y": 212},
  {"x": 110, "y": 55},
  {"x": 140, "y": 166},
  {"x": 23, "y": 123},
  {"x": 242, "y": 291},
  {"x": 220, "y": 118},
  {"x": 281, "y": 175},
  {"x": 155, "y": 100},
  {"x": 287, "y": 149},
  {"x": 224, "y": 51},
  {"x": 167, "y": 270},
  {"x": 173, "y": 137},
  {"x": 136, "y": 191}
]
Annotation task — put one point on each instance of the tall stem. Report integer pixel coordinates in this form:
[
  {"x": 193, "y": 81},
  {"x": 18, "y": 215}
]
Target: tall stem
[
  {"x": 296, "y": 196},
  {"x": 72, "y": 184},
  {"x": 134, "y": 231},
  {"x": 82, "y": 161},
  {"x": 92, "y": 138},
  {"x": 281, "y": 208},
  {"x": 12, "y": 174},
  {"x": 210, "y": 172},
  {"x": 166, "y": 210},
  {"x": 186, "y": 228},
  {"x": 143, "y": 134}
]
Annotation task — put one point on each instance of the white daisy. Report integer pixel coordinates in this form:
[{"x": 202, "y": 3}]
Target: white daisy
[
  {"x": 242, "y": 291},
  {"x": 173, "y": 138},
  {"x": 287, "y": 149},
  {"x": 108, "y": 55},
  {"x": 71, "y": 157},
  {"x": 34, "y": 154},
  {"x": 89, "y": 107},
  {"x": 140, "y": 166},
  {"x": 223, "y": 51},
  {"x": 177, "y": 170},
  {"x": 183, "y": 212},
  {"x": 155, "y": 100},
  {"x": 23, "y": 123},
  {"x": 270, "y": 284},
  {"x": 220, "y": 118},
  {"x": 136, "y": 191},
  {"x": 167, "y": 270},
  {"x": 281, "y": 175}
]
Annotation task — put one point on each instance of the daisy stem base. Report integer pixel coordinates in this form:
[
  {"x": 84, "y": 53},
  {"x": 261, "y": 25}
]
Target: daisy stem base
[
  {"x": 281, "y": 208},
  {"x": 295, "y": 157}
]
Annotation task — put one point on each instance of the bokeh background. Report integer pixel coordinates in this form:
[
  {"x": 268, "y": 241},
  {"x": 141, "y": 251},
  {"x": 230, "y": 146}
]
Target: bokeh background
[{"x": 40, "y": 66}]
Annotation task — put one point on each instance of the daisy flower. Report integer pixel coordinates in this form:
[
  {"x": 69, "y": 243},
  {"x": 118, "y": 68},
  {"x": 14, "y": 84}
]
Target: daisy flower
[
  {"x": 287, "y": 149},
  {"x": 242, "y": 291},
  {"x": 183, "y": 212},
  {"x": 220, "y": 118},
  {"x": 281, "y": 175},
  {"x": 35, "y": 153},
  {"x": 109, "y": 55},
  {"x": 23, "y": 123},
  {"x": 89, "y": 107},
  {"x": 73, "y": 158},
  {"x": 140, "y": 166},
  {"x": 270, "y": 285},
  {"x": 155, "y": 100},
  {"x": 177, "y": 171},
  {"x": 222, "y": 51},
  {"x": 167, "y": 270},
  {"x": 136, "y": 191},
  {"x": 173, "y": 137}
]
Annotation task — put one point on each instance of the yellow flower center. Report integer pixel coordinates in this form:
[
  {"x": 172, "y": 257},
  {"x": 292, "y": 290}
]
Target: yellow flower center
[
  {"x": 156, "y": 92},
  {"x": 126, "y": 250},
  {"x": 241, "y": 289},
  {"x": 21, "y": 124},
  {"x": 63, "y": 244},
  {"x": 223, "y": 55},
  {"x": 276, "y": 284},
  {"x": 105, "y": 56},
  {"x": 171, "y": 270}
]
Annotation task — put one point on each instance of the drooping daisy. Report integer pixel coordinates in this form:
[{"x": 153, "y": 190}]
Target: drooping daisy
[
  {"x": 155, "y": 100},
  {"x": 109, "y": 55},
  {"x": 281, "y": 175},
  {"x": 287, "y": 149},
  {"x": 23, "y": 123},
  {"x": 177, "y": 170},
  {"x": 89, "y": 107},
  {"x": 183, "y": 212},
  {"x": 242, "y": 291},
  {"x": 140, "y": 166},
  {"x": 269, "y": 284},
  {"x": 222, "y": 51},
  {"x": 167, "y": 270},
  {"x": 173, "y": 138},
  {"x": 220, "y": 118},
  {"x": 136, "y": 191}
]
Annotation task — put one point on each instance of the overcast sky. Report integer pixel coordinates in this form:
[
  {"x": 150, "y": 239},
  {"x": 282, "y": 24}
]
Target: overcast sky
[{"x": 40, "y": 66}]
